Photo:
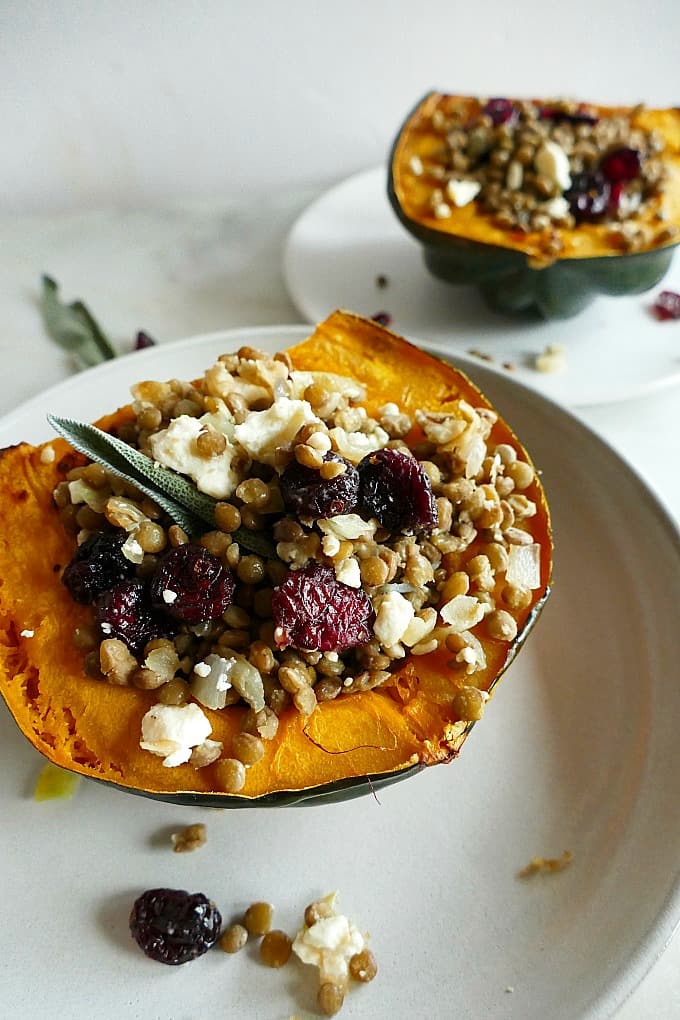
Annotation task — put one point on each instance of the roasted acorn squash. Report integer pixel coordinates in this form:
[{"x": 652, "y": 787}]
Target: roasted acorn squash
[
  {"x": 556, "y": 270},
  {"x": 349, "y": 745}
]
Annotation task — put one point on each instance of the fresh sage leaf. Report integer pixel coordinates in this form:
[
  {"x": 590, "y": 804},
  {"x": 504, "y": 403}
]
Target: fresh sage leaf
[
  {"x": 73, "y": 327},
  {"x": 177, "y": 495}
]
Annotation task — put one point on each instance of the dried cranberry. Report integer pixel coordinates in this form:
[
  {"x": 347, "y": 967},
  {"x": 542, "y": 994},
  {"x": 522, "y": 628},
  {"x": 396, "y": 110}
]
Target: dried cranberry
[
  {"x": 96, "y": 566},
  {"x": 124, "y": 612},
  {"x": 382, "y": 318},
  {"x": 588, "y": 196},
  {"x": 615, "y": 194},
  {"x": 314, "y": 611},
  {"x": 192, "y": 585},
  {"x": 621, "y": 165},
  {"x": 500, "y": 110},
  {"x": 667, "y": 305},
  {"x": 143, "y": 340},
  {"x": 580, "y": 116},
  {"x": 396, "y": 490},
  {"x": 309, "y": 496},
  {"x": 174, "y": 926}
]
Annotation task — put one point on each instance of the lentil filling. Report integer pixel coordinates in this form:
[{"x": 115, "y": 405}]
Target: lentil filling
[
  {"x": 546, "y": 166},
  {"x": 400, "y": 535}
]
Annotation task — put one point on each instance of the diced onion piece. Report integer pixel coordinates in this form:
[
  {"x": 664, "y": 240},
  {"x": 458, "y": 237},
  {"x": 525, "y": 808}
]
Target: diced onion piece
[
  {"x": 247, "y": 680},
  {"x": 524, "y": 566},
  {"x": 348, "y": 526},
  {"x": 462, "y": 612},
  {"x": 210, "y": 683}
]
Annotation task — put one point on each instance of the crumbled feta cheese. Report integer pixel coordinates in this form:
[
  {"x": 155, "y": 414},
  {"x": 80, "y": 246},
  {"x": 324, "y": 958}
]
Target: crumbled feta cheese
[
  {"x": 171, "y": 731},
  {"x": 263, "y": 432},
  {"x": 202, "y": 669},
  {"x": 169, "y": 596},
  {"x": 462, "y": 612},
  {"x": 393, "y": 614},
  {"x": 348, "y": 572},
  {"x": 355, "y": 445},
  {"x": 629, "y": 202},
  {"x": 27, "y": 633},
  {"x": 330, "y": 944},
  {"x": 552, "y": 359},
  {"x": 131, "y": 549},
  {"x": 348, "y": 526},
  {"x": 556, "y": 207},
  {"x": 442, "y": 211},
  {"x": 416, "y": 166},
  {"x": 462, "y": 192},
  {"x": 106, "y": 628},
  {"x": 552, "y": 161},
  {"x": 389, "y": 410},
  {"x": 175, "y": 448},
  {"x": 47, "y": 454}
]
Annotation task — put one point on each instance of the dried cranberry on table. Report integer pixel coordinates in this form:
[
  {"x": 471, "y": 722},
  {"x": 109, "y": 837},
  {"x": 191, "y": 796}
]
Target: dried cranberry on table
[
  {"x": 396, "y": 490},
  {"x": 173, "y": 926},
  {"x": 97, "y": 565},
  {"x": 309, "y": 496},
  {"x": 143, "y": 340},
  {"x": 667, "y": 305},
  {"x": 382, "y": 318},
  {"x": 125, "y": 612},
  {"x": 192, "y": 585},
  {"x": 314, "y": 611}
]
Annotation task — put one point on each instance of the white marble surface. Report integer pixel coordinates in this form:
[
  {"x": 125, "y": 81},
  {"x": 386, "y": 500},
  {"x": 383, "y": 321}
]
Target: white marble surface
[
  {"x": 144, "y": 103},
  {"x": 193, "y": 269}
]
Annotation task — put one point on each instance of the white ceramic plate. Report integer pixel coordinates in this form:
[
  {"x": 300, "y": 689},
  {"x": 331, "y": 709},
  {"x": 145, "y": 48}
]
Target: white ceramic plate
[
  {"x": 350, "y": 236},
  {"x": 578, "y": 750}
]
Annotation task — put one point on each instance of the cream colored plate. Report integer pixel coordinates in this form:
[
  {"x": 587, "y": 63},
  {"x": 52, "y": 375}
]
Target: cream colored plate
[{"x": 578, "y": 750}]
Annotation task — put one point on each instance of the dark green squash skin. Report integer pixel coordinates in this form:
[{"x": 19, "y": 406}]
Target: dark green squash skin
[{"x": 509, "y": 285}]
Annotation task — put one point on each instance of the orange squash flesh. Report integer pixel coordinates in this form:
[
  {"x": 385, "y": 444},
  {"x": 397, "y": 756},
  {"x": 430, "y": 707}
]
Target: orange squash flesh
[{"x": 94, "y": 728}]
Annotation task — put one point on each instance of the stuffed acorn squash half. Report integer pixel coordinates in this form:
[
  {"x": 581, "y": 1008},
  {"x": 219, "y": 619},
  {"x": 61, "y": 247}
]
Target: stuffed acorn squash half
[
  {"x": 292, "y": 580},
  {"x": 542, "y": 203}
]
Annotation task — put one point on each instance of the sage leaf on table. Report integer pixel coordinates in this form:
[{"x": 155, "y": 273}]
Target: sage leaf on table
[
  {"x": 73, "y": 327},
  {"x": 174, "y": 493}
]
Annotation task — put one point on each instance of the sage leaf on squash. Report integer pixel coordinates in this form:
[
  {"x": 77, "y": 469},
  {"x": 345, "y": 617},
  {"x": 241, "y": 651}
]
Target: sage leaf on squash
[
  {"x": 73, "y": 327},
  {"x": 177, "y": 495}
]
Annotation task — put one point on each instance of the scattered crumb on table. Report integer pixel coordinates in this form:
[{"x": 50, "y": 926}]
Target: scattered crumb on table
[{"x": 547, "y": 865}]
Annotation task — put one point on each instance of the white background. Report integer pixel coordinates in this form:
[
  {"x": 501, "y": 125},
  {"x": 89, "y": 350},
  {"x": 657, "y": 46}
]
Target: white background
[{"x": 136, "y": 102}]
